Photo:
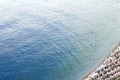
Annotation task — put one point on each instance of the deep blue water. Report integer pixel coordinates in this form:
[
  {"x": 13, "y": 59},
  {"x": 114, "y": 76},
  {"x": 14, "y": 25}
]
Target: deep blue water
[{"x": 55, "y": 40}]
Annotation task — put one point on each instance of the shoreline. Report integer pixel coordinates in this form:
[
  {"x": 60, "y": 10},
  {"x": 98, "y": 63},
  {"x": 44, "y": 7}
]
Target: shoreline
[{"x": 89, "y": 75}]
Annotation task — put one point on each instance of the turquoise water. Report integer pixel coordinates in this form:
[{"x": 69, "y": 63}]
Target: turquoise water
[{"x": 56, "y": 40}]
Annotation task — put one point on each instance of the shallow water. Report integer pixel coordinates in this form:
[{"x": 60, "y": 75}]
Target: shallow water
[{"x": 56, "y": 40}]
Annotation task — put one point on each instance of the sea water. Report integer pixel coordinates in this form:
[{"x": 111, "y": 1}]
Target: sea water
[{"x": 56, "y": 39}]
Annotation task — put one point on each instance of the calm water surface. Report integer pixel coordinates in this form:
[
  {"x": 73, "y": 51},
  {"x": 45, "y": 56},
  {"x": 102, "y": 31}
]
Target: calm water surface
[{"x": 56, "y": 39}]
